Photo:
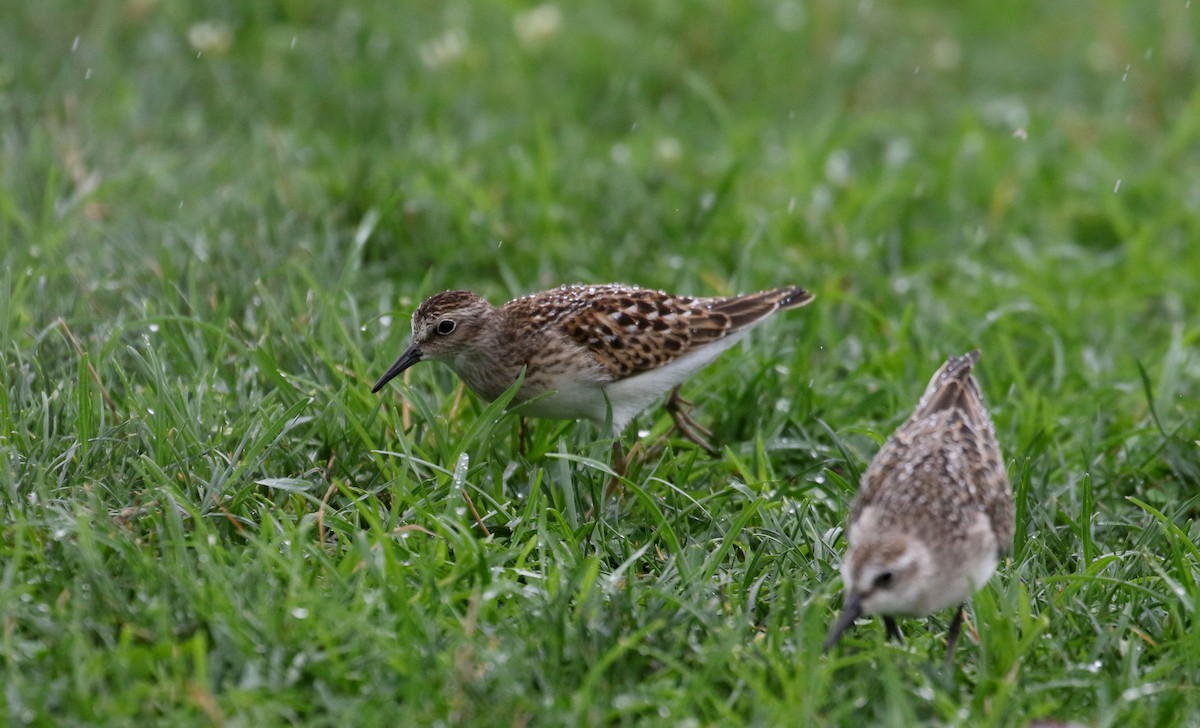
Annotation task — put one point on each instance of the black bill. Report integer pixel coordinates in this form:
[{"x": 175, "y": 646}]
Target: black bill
[
  {"x": 851, "y": 610},
  {"x": 411, "y": 356}
]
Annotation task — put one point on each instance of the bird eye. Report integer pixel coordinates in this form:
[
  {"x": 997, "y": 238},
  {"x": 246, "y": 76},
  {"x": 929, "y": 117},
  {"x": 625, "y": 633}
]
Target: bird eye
[
  {"x": 884, "y": 580},
  {"x": 446, "y": 326}
]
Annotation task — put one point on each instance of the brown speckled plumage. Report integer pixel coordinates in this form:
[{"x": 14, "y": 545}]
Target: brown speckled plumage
[
  {"x": 934, "y": 510},
  {"x": 942, "y": 465},
  {"x": 630, "y": 330},
  {"x": 584, "y": 347}
]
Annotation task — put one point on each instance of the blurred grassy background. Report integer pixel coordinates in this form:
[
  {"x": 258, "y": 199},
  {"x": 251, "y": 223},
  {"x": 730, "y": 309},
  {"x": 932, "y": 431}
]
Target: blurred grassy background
[{"x": 216, "y": 217}]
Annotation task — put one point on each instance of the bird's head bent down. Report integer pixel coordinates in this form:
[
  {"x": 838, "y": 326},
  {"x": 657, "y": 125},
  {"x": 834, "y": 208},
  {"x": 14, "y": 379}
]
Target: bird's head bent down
[
  {"x": 885, "y": 575},
  {"x": 447, "y": 327}
]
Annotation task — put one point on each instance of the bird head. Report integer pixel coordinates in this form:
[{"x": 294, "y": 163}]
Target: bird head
[
  {"x": 888, "y": 573},
  {"x": 446, "y": 327}
]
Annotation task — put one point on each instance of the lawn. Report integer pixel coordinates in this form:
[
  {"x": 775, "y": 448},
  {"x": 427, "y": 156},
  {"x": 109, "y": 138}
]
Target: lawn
[{"x": 217, "y": 217}]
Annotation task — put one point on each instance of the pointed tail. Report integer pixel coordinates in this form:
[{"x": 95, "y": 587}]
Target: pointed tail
[{"x": 751, "y": 308}]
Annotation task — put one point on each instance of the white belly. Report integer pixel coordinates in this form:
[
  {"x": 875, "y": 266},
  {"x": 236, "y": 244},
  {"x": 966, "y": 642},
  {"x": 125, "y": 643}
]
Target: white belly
[{"x": 577, "y": 398}]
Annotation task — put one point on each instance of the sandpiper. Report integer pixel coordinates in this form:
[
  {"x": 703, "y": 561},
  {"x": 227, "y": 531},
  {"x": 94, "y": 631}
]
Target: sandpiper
[
  {"x": 591, "y": 352},
  {"x": 934, "y": 511}
]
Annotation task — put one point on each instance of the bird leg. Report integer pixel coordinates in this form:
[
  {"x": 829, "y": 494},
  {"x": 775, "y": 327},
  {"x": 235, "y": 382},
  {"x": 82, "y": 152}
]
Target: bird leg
[
  {"x": 620, "y": 460},
  {"x": 522, "y": 435},
  {"x": 893, "y": 632},
  {"x": 678, "y": 408},
  {"x": 952, "y": 636}
]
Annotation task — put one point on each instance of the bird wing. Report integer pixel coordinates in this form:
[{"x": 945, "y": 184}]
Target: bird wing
[
  {"x": 949, "y": 436},
  {"x": 631, "y": 330},
  {"x": 973, "y": 432}
]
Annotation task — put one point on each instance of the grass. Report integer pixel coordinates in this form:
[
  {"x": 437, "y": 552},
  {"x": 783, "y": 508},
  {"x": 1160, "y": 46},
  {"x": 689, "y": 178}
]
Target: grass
[{"x": 216, "y": 217}]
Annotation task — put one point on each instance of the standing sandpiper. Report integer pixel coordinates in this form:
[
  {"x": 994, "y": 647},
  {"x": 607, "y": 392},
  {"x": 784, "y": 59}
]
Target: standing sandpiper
[
  {"x": 933, "y": 513},
  {"x": 587, "y": 351}
]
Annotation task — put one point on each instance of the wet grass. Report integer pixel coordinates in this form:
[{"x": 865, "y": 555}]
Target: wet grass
[{"x": 216, "y": 217}]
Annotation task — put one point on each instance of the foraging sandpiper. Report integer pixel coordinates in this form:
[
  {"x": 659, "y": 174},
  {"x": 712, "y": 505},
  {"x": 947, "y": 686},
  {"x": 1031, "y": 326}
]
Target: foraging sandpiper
[
  {"x": 934, "y": 511},
  {"x": 590, "y": 352}
]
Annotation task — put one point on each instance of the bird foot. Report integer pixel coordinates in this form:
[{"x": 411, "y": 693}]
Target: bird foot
[{"x": 678, "y": 408}]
